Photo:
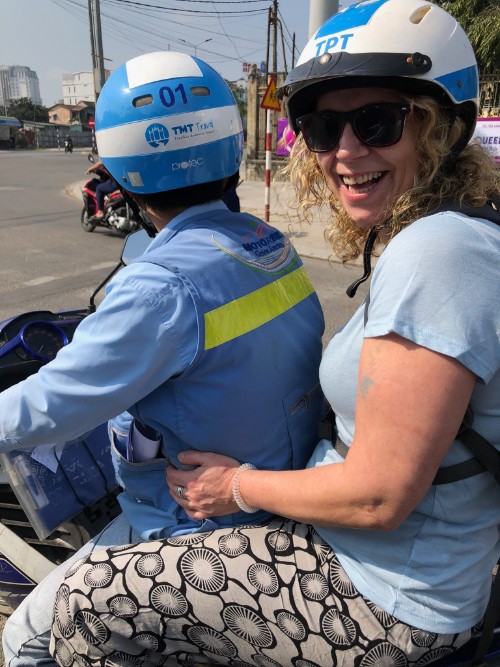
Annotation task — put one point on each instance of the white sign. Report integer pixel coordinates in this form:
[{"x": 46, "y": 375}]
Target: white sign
[{"x": 487, "y": 133}]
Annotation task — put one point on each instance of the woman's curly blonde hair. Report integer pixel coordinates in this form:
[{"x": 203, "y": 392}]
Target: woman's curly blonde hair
[{"x": 472, "y": 181}]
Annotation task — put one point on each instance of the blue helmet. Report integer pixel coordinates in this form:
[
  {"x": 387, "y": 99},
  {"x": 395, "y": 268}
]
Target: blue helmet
[
  {"x": 166, "y": 120},
  {"x": 411, "y": 45}
]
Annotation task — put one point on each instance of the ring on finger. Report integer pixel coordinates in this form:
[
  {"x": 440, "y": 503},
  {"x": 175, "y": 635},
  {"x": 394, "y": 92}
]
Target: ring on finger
[{"x": 180, "y": 491}]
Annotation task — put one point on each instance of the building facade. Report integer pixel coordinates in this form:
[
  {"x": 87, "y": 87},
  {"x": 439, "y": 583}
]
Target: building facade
[
  {"x": 71, "y": 114},
  {"x": 18, "y": 81},
  {"x": 79, "y": 87}
]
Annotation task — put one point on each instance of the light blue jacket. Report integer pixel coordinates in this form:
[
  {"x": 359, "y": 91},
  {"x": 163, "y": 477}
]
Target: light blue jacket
[
  {"x": 251, "y": 388},
  {"x": 234, "y": 317}
]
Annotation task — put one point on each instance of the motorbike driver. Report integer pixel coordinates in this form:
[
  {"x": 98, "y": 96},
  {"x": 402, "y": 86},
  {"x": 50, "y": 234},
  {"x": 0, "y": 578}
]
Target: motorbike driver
[
  {"x": 68, "y": 142},
  {"x": 209, "y": 341},
  {"x": 105, "y": 187}
]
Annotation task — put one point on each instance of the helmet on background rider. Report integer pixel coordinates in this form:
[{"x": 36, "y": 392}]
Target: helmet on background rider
[
  {"x": 166, "y": 120},
  {"x": 409, "y": 45}
]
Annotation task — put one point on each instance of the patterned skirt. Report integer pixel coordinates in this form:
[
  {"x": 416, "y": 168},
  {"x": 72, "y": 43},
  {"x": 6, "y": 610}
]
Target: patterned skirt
[{"x": 273, "y": 595}]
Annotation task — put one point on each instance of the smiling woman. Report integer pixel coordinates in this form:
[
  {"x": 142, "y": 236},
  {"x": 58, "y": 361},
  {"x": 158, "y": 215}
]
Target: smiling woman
[{"x": 379, "y": 560}]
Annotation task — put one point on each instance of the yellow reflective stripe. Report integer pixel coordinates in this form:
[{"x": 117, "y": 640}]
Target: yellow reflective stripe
[{"x": 255, "y": 309}]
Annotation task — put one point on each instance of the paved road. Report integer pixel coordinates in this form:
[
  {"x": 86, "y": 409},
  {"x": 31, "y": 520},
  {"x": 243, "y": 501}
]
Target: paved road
[{"x": 47, "y": 260}]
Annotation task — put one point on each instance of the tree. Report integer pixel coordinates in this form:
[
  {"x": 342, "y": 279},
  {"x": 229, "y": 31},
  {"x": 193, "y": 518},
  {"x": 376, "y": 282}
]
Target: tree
[
  {"x": 25, "y": 109},
  {"x": 481, "y": 21}
]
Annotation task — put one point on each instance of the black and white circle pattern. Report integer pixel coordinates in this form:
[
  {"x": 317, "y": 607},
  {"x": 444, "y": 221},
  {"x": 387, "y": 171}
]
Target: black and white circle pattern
[
  {"x": 217, "y": 598},
  {"x": 291, "y": 626},
  {"x": 62, "y": 614},
  {"x": 233, "y": 545},
  {"x": 314, "y": 586},
  {"x": 384, "y": 654},
  {"x": 338, "y": 628},
  {"x": 123, "y": 606},
  {"x": 248, "y": 625},
  {"x": 120, "y": 659},
  {"x": 168, "y": 600},
  {"x": 211, "y": 640},
  {"x": 64, "y": 655},
  {"x": 186, "y": 540},
  {"x": 422, "y": 638},
  {"x": 90, "y": 626},
  {"x": 98, "y": 576},
  {"x": 147, "y": 640},
  {"x": 204, "y": 570},
  {"x": 265, "y": 661},
  {"x": 279, "y": 541},
  {"x": 340, "y": 581},
  {"x": 264, "y": 578},
  {"x": 150, "y": 565}
]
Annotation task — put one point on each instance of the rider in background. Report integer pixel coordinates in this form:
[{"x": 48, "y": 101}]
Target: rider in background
[{"x": 105, "y": 187}]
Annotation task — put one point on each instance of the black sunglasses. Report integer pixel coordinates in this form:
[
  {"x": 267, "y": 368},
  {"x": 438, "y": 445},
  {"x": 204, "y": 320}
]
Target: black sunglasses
[{"x": 376, "y": 125}]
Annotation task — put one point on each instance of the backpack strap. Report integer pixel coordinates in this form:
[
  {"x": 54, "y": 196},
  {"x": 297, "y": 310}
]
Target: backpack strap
[
  {"x": 486, "y": 457},
  {"x": 490, "y": 211}
]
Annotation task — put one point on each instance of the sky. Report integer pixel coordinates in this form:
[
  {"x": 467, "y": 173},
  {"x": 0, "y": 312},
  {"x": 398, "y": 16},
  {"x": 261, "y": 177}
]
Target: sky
[{"x": 52, "y": 37}]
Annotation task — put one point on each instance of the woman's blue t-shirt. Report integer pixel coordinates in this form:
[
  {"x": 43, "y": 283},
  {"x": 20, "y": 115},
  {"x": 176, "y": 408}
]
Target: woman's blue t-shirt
[{"x": 436, "y": 284}]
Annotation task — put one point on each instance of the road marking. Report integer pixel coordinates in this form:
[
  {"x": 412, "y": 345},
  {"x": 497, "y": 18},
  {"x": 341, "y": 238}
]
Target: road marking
[
  {"x": 103, "y": 265},
  {"x": 40, "y": 281},
  {"x": 4, "y": 188},
  {"x": 47, "y": 279}
]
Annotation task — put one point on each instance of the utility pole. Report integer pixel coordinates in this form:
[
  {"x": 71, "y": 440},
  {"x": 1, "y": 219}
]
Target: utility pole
[
  {"x": 273, "y": 21},
  {"x": 319, "y": 12},
  {"x": 98, "y": 70}
]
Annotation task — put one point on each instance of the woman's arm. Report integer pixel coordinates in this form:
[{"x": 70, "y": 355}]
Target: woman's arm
[{"x": 410, "y": 404}]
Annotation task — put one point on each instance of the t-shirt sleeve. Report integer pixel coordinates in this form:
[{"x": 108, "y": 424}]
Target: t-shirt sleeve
[{"x": 436, "y": 284}]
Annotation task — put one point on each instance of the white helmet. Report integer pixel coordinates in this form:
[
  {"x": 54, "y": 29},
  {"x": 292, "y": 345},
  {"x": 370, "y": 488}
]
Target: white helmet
[
  {"x": 410, "y": 45},
  {"x": 166, "y": 120}
]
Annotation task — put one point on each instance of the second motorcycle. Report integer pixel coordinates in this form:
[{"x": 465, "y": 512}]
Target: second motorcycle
[{"x": 116, "y": 214}]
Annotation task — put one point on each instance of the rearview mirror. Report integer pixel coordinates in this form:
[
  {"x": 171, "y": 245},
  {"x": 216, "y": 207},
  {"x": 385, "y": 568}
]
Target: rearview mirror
[{"x": 135, "y": 245}]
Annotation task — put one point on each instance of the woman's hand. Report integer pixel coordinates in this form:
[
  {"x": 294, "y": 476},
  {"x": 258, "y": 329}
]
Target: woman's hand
[
  {"x": 207, "y": 490},
  {"x": 409, "y": 407}
]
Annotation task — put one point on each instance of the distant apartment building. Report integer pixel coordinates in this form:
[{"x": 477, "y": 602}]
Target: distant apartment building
[
  {"x": 17, "y": 81},
  {"x": 79, "y": 87}
]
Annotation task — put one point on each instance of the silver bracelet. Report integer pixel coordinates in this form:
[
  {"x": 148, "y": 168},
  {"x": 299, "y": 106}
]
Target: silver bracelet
[{"x": 236, "y": 488}]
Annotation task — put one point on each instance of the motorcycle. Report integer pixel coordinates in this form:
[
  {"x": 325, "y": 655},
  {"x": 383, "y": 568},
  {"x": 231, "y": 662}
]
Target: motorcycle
[
  {"x": 53, "y": 499},
  {"x": 118, "y": 215},
  {"x": 68, "y": 145}
]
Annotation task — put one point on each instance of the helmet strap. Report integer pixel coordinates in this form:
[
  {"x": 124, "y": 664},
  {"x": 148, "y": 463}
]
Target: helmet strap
[
  {"x": 367, "y": 266},
  {"x": 138, "y": 214}
]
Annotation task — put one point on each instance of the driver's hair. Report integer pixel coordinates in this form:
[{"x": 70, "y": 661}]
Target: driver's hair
[{"x": 191, "y": 195}]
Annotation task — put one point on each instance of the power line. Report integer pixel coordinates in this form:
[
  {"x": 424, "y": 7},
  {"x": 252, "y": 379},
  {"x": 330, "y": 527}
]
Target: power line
[
  {"x": 224, "y": 30},
  {"x": 149, "y": 31},
  {"x": 192, "y": 11},
  {"x": 126, "y": 26},
  {"x": 225, "y": 2}
]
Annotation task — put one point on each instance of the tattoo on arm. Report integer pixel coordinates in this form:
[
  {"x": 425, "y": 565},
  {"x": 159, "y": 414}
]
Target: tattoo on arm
[{"x": 364, "y": 385}]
